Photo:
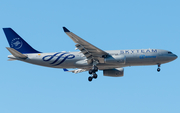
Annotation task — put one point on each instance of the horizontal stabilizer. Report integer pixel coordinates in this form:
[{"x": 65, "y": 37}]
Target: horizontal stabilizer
[
  {"x": 11, "y": 59},
  {"x": 16, "y": 53}
]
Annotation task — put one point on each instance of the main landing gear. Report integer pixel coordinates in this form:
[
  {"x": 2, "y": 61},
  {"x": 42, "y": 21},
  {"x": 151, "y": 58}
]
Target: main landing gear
[
  {"x": 93, "y": 74},
  {"x": 158, "y": 69}
]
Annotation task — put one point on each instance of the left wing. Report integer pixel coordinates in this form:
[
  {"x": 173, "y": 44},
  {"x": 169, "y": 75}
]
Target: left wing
[
  {"x": 91, "y": 52},
  {"x": 75, "y": 71}
]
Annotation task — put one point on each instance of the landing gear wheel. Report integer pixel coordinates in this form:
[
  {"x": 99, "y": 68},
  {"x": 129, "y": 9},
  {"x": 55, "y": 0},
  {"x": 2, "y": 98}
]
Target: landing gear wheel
[
  {"x": 90, "y": 71},
  {"x": 94, "y": 75},
  {"x": 158, "y": 69},
  {"x": 90, "y": 78}
]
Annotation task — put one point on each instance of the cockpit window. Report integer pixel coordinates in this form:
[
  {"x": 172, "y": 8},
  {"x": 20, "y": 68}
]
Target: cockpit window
[{"x": 169, "y": 52}]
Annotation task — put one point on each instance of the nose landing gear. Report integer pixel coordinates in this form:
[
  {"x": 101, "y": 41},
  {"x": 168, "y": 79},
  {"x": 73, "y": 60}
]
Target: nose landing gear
[
  {"x": 93, "y": 74},
  {"x": 158, "y": 69}
]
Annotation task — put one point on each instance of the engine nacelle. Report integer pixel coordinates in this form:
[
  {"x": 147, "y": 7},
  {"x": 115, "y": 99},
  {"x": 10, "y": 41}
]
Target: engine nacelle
[
  {"x": 118, "y": 72},
  {"x": 115, "y": 59}
]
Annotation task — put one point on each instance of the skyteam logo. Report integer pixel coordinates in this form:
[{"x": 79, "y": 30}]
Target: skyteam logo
[
  {"x": 58, "y": 58},
  {"x": 16, "y": 43}
]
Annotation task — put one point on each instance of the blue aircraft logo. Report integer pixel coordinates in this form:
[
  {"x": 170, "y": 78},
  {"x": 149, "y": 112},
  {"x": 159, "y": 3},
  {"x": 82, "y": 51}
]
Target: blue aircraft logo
[{"x": 60, "y": 57}]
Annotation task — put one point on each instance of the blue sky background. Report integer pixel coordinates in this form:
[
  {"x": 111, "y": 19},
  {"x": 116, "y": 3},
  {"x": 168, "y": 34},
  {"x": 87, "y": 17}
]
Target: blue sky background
[{"x": 109, "y": 25}]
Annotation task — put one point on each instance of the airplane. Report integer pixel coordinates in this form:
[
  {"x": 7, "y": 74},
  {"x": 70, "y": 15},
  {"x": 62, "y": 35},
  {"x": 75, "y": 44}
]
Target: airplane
[{"x": 90, "y": 58}]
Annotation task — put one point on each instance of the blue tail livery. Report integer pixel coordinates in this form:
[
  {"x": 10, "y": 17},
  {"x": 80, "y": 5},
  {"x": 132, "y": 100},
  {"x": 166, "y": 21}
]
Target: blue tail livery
[{"x": 17, "y": 43}]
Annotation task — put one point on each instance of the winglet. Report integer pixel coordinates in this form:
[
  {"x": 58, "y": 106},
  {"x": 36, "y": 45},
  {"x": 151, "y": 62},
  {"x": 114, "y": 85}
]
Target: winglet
[
  {"x": 65, "y": 69},
  {"x": 65, "y": 29}
]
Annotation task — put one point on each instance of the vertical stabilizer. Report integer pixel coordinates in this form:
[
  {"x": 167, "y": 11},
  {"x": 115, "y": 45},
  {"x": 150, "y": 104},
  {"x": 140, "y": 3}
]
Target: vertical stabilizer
[{"x": 17, "y": 43}]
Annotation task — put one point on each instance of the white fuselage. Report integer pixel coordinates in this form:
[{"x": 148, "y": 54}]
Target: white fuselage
[{"x": 116, "y": 59}]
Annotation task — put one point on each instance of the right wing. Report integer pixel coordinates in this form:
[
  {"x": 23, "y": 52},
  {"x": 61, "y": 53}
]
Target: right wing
[{"x": 90, "y": 51}]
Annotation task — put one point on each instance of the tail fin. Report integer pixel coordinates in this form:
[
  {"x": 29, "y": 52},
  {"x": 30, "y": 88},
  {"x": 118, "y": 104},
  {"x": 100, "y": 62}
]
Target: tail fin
[{"x": 17, "y": 43}]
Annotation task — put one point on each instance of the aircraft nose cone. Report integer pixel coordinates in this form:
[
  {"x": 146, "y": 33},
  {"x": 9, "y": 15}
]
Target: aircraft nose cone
[{"x": 174, "y": 56}]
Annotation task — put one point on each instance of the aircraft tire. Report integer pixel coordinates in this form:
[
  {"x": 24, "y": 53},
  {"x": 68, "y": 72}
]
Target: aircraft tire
[
  {"x": 90, "y": 78},
  {"x": 90, "y": 71},
  {"x": 158, "y": 69},
  {"x": 94, "y": 75}
]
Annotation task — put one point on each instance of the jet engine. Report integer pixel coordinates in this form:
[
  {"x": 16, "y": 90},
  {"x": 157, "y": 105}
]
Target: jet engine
[{"x": 118, "y": 72}]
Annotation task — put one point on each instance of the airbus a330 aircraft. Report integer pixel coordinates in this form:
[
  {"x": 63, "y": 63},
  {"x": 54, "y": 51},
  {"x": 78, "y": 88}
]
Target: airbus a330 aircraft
[{"x": 89, "y": 58}]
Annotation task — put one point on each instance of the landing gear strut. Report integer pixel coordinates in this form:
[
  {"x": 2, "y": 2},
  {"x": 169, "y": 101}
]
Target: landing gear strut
[
  {"x": 93, "y": 74},
  {"x": 158, "y": 69}
]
